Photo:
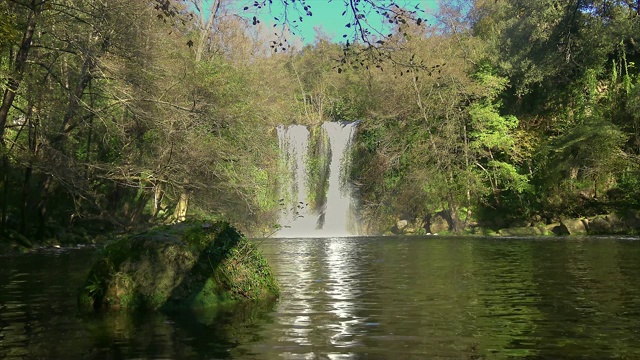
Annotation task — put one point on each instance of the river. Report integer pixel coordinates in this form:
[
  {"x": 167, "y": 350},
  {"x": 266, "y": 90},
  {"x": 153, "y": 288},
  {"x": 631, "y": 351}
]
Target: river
[{"x": 356, "y": 298}]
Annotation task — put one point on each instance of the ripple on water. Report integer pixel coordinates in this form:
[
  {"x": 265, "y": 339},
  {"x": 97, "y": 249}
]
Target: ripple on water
[{"x": 352, "y": 298}]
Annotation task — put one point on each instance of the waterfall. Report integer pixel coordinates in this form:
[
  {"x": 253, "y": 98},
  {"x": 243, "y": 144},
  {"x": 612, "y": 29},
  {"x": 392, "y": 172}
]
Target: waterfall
[
  {"x": 338, "y": 208},
  {"x": 328, "y": 209},
  {"x": 294, "y": 149}
]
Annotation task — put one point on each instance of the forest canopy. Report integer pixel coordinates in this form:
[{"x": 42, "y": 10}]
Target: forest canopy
[{"x": 122, "y": 114}]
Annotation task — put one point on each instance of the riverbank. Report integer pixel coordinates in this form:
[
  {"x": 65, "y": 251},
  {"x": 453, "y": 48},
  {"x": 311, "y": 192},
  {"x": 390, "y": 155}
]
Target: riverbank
[
  {"x": 14, "y": 242},
  {"x": 624, "y": 223}
]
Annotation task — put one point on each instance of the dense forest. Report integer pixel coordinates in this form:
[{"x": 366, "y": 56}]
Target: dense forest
[{"x": 117, "y": 115}]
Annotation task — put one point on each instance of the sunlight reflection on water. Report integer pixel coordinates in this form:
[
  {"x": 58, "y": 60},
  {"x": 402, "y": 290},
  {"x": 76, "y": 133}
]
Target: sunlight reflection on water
[{"x": 354, "y": 298}]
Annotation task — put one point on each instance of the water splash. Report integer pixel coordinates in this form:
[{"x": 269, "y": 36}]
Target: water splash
[{"x": 332, "y": 216}]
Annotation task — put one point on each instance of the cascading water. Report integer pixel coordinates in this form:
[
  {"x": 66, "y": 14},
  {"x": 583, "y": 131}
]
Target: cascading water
[
  {"x": 294, "y": 148},
  {"x": 331, "y": 214},
  {"x": 339, "y": 205}
]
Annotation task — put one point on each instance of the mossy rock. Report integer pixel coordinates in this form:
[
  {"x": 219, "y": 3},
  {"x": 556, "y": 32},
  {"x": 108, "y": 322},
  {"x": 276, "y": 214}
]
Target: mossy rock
[
  {"x": 196, "y": 265},
  {"x": 524, "y": 231},
  {"x": 573, "y": 227},
  {"x": 14, "y": 242}
]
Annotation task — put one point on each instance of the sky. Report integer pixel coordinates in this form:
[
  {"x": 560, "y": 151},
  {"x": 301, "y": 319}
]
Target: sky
[{"x": 326, "y": 16}]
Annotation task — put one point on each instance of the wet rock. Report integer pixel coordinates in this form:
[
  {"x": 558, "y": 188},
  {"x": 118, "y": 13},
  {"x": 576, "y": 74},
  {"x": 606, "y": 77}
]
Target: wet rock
[
  {"x": 438, "y": 224},
  {"x": 573, "y": 227},
  {"x": 179, "y": 266},
  {"x": 554, "y": 228},
  {"x": 402, "y": 227},
  {"x": 632, "y": 219},
  {"x": 600, "y": 225},
  {"x": 401, "y": 224}
]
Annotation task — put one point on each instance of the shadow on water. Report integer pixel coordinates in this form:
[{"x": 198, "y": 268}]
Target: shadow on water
[
  {"x": 206, "y": 333},
  {"x": 39, "y": 318}
]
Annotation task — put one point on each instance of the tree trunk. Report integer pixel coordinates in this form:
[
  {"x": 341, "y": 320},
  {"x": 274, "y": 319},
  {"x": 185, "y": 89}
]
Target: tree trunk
[
  {"x": 42, "y": 205},
  {"x": 18, "y": 71},
  {"x": 58, "y": 141},
  {"x": 180, "y": 213},
  {"x": 467, "y": 165},
  {"x": 74, "y": 103},
  {"x": 205, "y": 26},
  {"x": 137, "y": 207},
  {"x": 90, "y": 133},
  {"x": 158, "y": 194},
  {"x": 5, "y": 189},
  {"x": 26, "y": 185},
  {"x": 7, "y": 101}
]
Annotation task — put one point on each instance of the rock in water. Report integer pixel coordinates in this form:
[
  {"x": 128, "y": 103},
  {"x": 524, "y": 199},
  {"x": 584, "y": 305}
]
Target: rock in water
[
  {"x": 193, "y": 265},
  {"x": 573, "y": 227}
]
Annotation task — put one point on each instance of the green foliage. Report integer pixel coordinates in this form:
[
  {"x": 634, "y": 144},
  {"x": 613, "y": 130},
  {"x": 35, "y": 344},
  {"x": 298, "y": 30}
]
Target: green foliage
[
  {"x": 493, "y": 84},
  {"x": 317, "y": 164},
  {"x": 508, "y": 176},
  {"x": 9, "y": 32},
  {"x": 490, "y": 131},
  {"x": 592, "y": 148},
  {"x": 626, "y": 193},
  {"x": 515, "y": 107}
]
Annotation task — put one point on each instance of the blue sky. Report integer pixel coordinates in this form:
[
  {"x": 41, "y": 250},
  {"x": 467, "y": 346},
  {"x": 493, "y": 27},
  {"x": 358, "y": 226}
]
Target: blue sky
[{"x": 327, "y": 16}]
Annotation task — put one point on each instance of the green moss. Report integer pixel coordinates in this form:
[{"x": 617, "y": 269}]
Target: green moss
[{"x": 182, "y": 266}]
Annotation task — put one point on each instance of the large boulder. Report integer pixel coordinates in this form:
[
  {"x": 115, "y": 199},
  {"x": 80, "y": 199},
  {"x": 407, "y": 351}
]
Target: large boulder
[
  {"x": 573, "y": 227},
  {"x": 196, "y": 265},
  {"x": 632, "y": 220},
  {"x": 400, "y": 227},
  {"x": 600, "y": 225},
  {"x": 438, "y": 223}
]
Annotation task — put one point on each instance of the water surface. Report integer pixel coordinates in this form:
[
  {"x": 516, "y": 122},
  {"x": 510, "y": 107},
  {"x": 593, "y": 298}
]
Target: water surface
[{"x": 353, "y": 298}]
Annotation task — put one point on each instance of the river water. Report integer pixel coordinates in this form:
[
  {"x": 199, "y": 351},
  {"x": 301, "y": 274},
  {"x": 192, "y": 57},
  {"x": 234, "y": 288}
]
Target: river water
[{"x": 356, "y": 298}]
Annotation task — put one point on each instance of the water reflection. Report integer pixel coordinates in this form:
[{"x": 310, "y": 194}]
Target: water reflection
[
  {"x": 318, "y": 297},
  {"x": 357, "y": 298},
  {"x": 463, "y": 298},
  {"x": 342, "y": 291},
  {"x": 299, "y": 298}
]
